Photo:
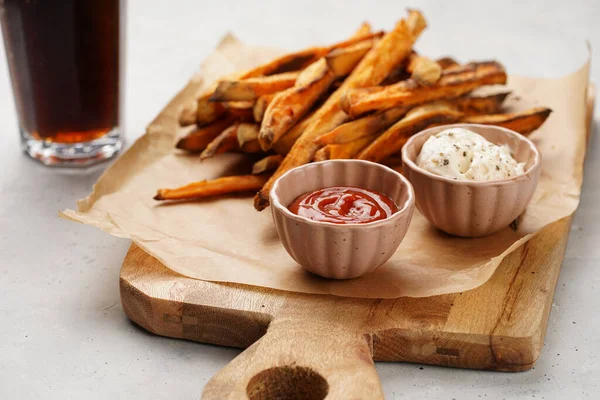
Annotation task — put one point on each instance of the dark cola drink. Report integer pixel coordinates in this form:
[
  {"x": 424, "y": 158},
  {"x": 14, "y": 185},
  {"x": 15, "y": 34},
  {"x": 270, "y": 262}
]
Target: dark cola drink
[{"x": 64, "y": 58}]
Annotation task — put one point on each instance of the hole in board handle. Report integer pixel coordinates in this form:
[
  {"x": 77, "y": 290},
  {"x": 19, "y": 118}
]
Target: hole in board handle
[{"x": 287, "y": 383}]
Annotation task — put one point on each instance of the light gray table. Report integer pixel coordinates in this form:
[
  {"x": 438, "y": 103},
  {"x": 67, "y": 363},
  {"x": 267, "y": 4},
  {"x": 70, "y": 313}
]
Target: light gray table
[{"x": 63, "y": 333}]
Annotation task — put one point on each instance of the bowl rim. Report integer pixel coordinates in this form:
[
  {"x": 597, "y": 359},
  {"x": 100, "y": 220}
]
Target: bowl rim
[
  {"x": 536, "y": 165},
  {"x": 408, "y": 204}
]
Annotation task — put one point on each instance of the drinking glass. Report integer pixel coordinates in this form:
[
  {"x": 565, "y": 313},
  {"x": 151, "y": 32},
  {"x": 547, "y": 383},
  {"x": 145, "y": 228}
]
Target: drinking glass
[{"x": 64, "y": 58}]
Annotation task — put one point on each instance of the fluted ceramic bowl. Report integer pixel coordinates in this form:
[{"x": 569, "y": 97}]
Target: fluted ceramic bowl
[
  {"x": 341, "y": 251},
  {"x": 473, "y": 208}
]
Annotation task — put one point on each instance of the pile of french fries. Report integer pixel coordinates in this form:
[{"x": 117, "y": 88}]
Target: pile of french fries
[{"x": 361, "y": 98}]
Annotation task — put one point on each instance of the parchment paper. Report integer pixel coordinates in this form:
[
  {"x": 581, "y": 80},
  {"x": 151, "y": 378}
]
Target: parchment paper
[{"x": 226, "y": 240}]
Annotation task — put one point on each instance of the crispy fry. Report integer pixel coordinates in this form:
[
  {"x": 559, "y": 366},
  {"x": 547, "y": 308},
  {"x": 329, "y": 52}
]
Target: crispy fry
[
  {"x": 239, "y": 105},
  {"x": 251, "y": 147},
  {"x": 284, "y": 145},
  {"x": 415, "y": 120},
  {"x": 398, "y": 74},
  {"x": 299, "y": 60},
  {"x": 215, "y": 187},
  {"x": 261, "y": 105},
  {"x": 241, "y": 110},
  {"x": 473, "y": 105},
  {"x": 208, "y": 111},
  {"x": 247, "y": 137},
  {"x": 452, "y": 84},
  {"x": 252, "y": 88},
  {"x": 359, "y": 128},
  {"x": 246, "y": 133},
  {"x": 289, "y": 106},
  {"x": 342, "y": 61},
  {"x": 198, "y": 139},
  {"x": 187, "y": 114},
  {"x": 423, "y": 70},
  {"x": 363, "y": 29},
  {"x": 295, "y": 61},
  {"x": 355, "y": 38},
  {"x": 224, "y": 142},
  {"x": 373, "y": 123},
  {"x": 372, "y": 69},
  {"x": 267, "y": 164},
  {"x": 403, "y": 71},
  {"x": 447, "y": 62},
  {"x": 523, "y": 122},
  {"x": 259, "y": 109},
  {"x": 344, "y": 150}
]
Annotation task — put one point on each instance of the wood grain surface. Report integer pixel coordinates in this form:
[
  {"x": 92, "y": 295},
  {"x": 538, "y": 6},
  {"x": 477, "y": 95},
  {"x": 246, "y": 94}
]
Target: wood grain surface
[{"x": 301, "y": 346}]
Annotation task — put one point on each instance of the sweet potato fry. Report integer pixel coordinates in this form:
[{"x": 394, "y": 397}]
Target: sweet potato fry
[
  {"x": 447, "y": 62},
  {"x": 198, "y": 139},
  {"x": 301, "y": 59},
  {"x": 373, "y": 123},
  {"x": 362, "y": 127},
  {"x": 363, "y": 29},
  {"x": 251, "y": 147},
  {"x": 252, "y": 88},
  {"x": 269, "y": 163},
  {"x": 396, "y": 75},
  {"x": 452, "y": 84},
  {"x": 187, "y": 114},
  {"x": 284, "y": 145},
  {"x": 289, "y": 106},
  {"x": 258, "y": 111},
  {"x": 247, "y": 137},
  {"x": 295, "y": 61},
  {"x": 415, "y": 120},
  {"x": 403, "y": 71},
  {"x": 342, "y": 61},
  {"x": 523, "y": 122},
  {"x": 241, "y": 110},
  {"x": 208, "y": 111},
  {"x": 355, "y": 38},
  {"x": 343, "y": 150},
  {"x": 224, "y": 142},
  {"x": 372, "y": 69},
  {"x": 423, "y": 70},
  {"x": 473, "y": 105},
  {"x": 246, "y": 132},
  {"x": 239, "y": 105},
  {"x": 215, "y": 187}
]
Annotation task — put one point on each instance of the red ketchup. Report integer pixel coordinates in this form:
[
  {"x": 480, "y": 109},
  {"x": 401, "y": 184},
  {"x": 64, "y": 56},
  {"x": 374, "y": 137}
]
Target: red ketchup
[{"x": 343, "y": 205}]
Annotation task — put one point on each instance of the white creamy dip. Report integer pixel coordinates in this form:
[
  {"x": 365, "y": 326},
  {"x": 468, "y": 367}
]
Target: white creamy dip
[{"x": 465, "y": 155}]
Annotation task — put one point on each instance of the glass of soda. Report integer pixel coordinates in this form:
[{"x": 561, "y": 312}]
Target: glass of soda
[{"x": 64, "y": 58}]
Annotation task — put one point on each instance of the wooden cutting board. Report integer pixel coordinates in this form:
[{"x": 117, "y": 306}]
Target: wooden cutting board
[{"x": 310, "y": 346}]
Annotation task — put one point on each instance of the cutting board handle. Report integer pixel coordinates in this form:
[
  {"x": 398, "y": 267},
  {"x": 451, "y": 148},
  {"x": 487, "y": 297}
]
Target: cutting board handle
[{"x": 300, "y": 359}]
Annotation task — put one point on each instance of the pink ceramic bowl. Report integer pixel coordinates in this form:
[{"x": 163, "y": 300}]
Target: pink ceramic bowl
[
  {"x": 341, "y": 251},
  {"x": 473, "y": 208}
]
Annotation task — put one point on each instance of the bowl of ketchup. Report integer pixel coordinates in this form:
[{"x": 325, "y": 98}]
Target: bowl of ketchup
[{"x": 342, "y": 218}]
